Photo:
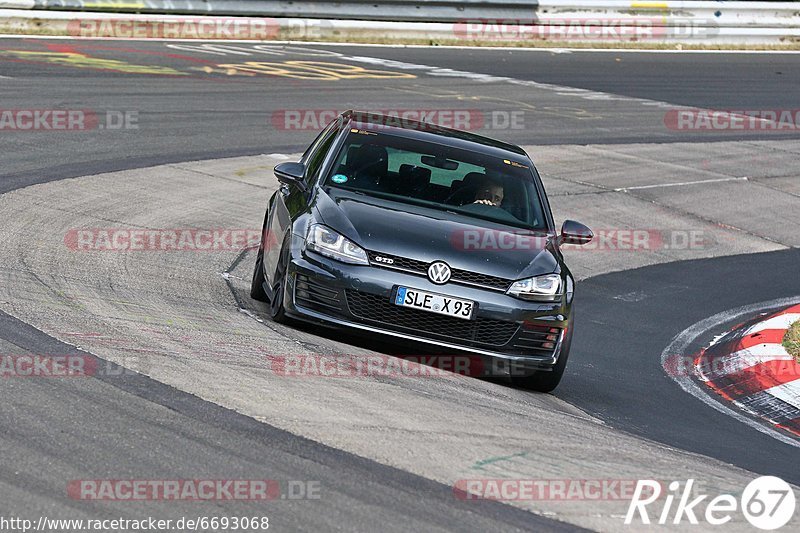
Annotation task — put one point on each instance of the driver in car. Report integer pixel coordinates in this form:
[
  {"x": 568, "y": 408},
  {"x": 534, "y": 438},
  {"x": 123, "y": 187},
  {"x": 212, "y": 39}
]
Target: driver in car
[{"x": 490, "y": 193}]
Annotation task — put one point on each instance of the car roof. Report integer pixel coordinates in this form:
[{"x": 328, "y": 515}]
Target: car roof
[{"x": 425, "y": 131}]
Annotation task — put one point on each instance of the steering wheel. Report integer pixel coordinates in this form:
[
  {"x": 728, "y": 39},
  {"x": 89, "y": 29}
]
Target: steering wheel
[{"x": 478, "y": 207}]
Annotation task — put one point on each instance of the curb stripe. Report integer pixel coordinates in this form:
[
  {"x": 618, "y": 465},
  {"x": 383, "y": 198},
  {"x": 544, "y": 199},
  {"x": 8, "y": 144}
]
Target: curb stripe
[
  {"x": 750, "y": 368},
  {"x": 789, "y": 392},
  {"x": 711, "y": 367},
  {"x": 762, "y": 377},
  {"x": 727, "y": 346},
  {"x": 782, "y": 321},
  {"x": 795, "y": 309},
  {"x": 689, "y": 383},
  {"x": 767, "y": 406},
  {"x": 764, "y": 336}
]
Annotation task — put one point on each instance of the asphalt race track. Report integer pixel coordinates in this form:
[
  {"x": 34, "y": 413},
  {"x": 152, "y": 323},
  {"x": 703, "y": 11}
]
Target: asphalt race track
[{"x": 184, "y": 135}]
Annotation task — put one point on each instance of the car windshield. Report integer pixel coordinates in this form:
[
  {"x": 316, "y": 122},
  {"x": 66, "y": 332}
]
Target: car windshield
[{"x": 437, "y": 176}]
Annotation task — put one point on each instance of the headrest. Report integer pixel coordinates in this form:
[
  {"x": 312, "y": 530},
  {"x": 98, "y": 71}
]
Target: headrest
[{"x": 475, "y": 179}]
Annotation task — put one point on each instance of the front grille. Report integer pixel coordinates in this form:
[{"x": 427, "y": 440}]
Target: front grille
[
  {"x": 312, "y": 293},
  {"x": 420, "y": 268},
  {"x": 379, "y": 310},
  {"x": 473, "y": 278},
  {"x": 537, "y": 340},
  {"x": 404, "y": 263}
]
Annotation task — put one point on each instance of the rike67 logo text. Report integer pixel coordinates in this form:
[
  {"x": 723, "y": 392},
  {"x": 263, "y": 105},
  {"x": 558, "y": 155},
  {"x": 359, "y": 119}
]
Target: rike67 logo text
[{"x": 767, "y": 503}]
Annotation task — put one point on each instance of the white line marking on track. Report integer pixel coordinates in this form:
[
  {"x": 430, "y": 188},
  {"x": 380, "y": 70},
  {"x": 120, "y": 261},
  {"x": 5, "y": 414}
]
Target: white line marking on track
[
  {"x": 489, "y": 78},
  {"x": 559, "y": 50},
  {"x": 219, "y": 48},
  {"x": 212, "y": 49},
  {"x": 678, "y": 184},
  {"x": 682, "y": 341}
]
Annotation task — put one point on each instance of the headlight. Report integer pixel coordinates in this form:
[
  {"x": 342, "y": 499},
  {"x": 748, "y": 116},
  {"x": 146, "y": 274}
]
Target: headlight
[
  {"x": 543, "y": 288},
  {"x": 327, "y": 242}
]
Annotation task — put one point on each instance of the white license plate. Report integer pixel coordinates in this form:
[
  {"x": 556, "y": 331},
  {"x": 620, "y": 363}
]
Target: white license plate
[{"x": 435, "y": 303}]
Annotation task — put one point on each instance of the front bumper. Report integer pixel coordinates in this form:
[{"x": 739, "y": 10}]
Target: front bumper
[{"x": 514, "y": 334}]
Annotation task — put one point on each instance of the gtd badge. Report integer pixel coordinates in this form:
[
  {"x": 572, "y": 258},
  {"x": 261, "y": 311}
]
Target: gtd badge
[
  {"x": 439, "y": 272},
  {"x": 384, "y": 260}
]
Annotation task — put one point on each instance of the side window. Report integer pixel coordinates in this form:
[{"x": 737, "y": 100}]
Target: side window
[
  {"x": 314, "y": 157},
  {"x": 316, "y": 141}
]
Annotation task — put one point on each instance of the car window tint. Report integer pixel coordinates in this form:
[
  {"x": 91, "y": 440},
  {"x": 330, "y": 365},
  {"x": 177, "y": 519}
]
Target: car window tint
[
  {"x": 438, "y": 176},
  {"x": 317, "y": 140},
  {"x": 318, "y": 152}
]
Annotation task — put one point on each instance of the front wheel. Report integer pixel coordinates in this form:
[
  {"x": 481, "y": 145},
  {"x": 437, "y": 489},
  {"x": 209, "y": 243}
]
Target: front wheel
[
  {"x": 547, "y": 381},
  {"x": 257, "y": 285},
  {"x": 277, "y": 309}
]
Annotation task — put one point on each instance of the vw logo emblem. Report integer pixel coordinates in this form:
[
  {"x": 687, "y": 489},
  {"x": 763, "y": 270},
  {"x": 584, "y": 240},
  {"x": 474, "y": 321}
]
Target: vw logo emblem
[{"x": 439, "y": 272}]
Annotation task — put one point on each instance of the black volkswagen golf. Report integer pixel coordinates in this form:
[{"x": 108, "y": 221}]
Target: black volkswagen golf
[{"x": 406, "y": 229}]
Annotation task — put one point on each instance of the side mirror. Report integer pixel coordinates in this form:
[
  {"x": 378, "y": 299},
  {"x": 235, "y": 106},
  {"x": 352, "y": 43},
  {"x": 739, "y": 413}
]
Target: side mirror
[
  {"x": 291, "y": 174},
  {"x": 575, "y": 233}
]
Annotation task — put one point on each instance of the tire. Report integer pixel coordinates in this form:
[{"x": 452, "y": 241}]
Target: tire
[
  {"x": 257, "y": 285},
  {"x": 547, "y": 381},
  {"x": 277, "y": 310}
]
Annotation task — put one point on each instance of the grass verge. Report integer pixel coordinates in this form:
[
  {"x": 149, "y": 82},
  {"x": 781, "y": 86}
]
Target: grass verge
[{"x": 791, "y": 341}]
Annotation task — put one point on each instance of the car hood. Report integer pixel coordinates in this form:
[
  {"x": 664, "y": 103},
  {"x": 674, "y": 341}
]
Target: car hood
[{"x": 429, "y": 235}]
